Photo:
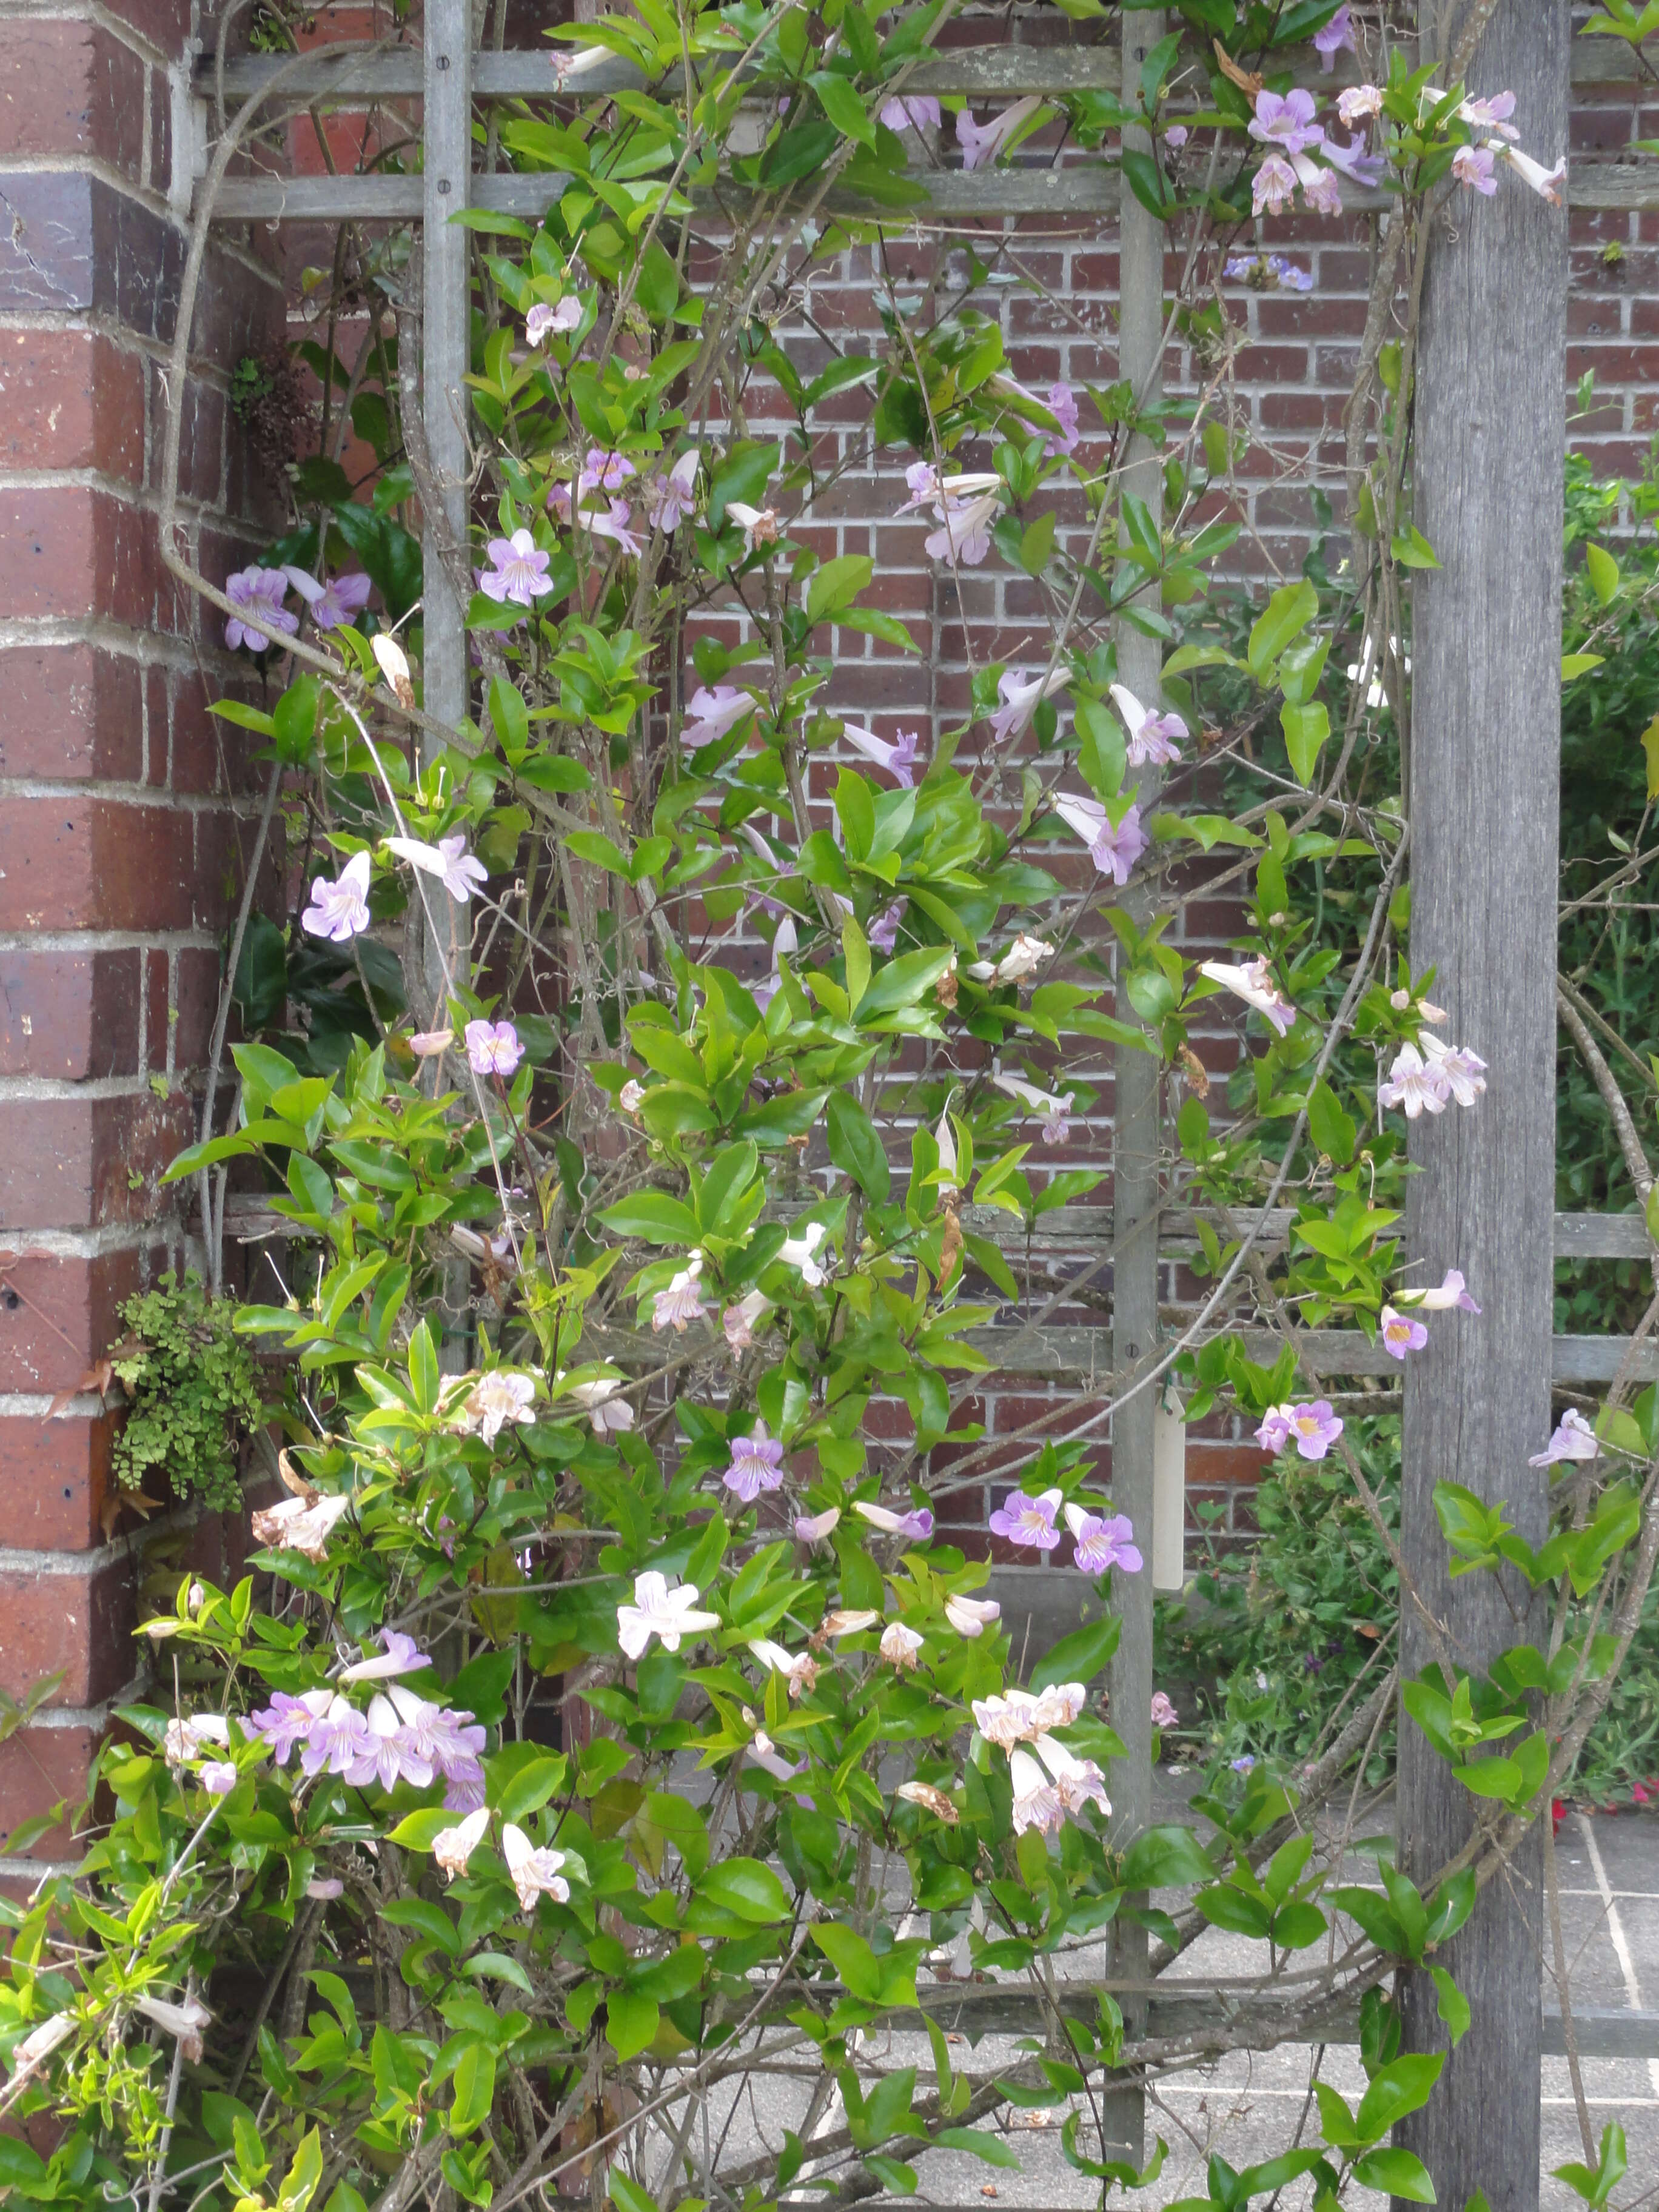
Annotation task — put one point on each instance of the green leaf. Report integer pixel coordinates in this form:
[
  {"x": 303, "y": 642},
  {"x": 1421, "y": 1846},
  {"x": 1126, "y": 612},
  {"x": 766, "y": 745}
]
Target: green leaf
[
  {"x": 294, "y": 721},
  {"x": 843, "y": 107},
  {"x": 1332, "y": 1129},
  {"x": 992, "y": 2149},
  {"x": 1603, "y": 572},
  {"x": 836, "y": 585},
  {"x": 855, "y": 1147},
  {"x": 631, "y": 2022},
  {"x": 1579, "y": 663},
  {"x": 1037, "y": 543},
  {"x": 1395, "y": 2172},
  {"x": 1306, "y": 729},
  {"x": 903, "y": 981},
  {"x": 1412, "y": 550},
  {"x": 652, "y": 1215},
  {"x": 1103, "y": 752},
  {"x": 1286, "y": 615},
  {"x": 1166, "y": 1858},
  {"x": 475, "y": 2089},
  {"x": 1451, "y": 2004},
  {"x": 1396, "y": 2089},
  {"x": 627, "y": 2195},
  {"x": 1079, "y": 1656},
  {"x": 746, "y": 1888}
]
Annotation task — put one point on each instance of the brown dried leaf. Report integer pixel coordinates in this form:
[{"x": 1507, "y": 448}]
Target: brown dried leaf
[
  {"x": 294, "y": 1480},
  {"x": 1198, "y": 1076},
  {"x": 950, "y": 1244},
  {"x": 96, "y": 1379},
  {"x": 1246, "y": 80}
]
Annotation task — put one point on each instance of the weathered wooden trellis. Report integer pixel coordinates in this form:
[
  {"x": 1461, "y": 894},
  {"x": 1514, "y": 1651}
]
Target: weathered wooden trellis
[{"x": 447, "y": 76}]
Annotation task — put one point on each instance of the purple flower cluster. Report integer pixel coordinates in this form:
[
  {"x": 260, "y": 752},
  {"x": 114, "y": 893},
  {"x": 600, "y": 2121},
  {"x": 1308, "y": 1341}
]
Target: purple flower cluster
[
  {"x": 1267, "y": 272},
  {"x": 1284, "y": 123},
  {"x": 400, "y": 1738}
]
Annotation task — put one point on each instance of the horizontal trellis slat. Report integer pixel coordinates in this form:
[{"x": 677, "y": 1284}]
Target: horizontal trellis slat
[
  {"x": 1076, "y": 189},
  {"x": 995, "y": 71}
]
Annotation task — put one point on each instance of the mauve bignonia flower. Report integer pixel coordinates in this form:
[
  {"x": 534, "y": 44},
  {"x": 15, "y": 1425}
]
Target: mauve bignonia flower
[
  {"x": 1151, "y": 736},
  {"x": 1313, "y": 1429},
  {"x": 497, "y": 1399},
  {"x": 1062, "y": 405},
  {"x": 258, "y": 594},
  {"x": 565, "y": 315},
  {"x": 916, "y": 1525},
  {"x": 1453, "y": 1291},
  {"x": 1320, "y": 188},
  {"x": 399, "y": 1655},
  {"x": 1027, "y": 1521},
  {"x": 1253, "y": 983},
  {"x": 1355, "y": 162},
  {"x": 1102, "y": 1543},
  {"x": 1472, "y": 166},
  {"x": 287, "y": 1721},
  {"x": 658, "y": 1611},
  {"x": 981, "y": 142},
  {"x": 492, "y": 1047},
  {"x": 711, "y": 714},
  {"x": 535, "y": 1872},
  {"x": 739, "y": 1321},
  {"x": 604, "y": 471},
  {"x": 614, "y": 526},
  {"x": 332, "y": 605},
  {"x": 1163, "y": 1712},
  {"x": 882, "y": 932},
  {"x": 900, "y": 1646},
  {"x": 339, "y": 911},
  {"x": 1463, "y": 1072},
  {"x": 1401, "y": 1333},
  {"x": 388, "y": 1756},
  {"x": 1285, "y": 121},
  {"x": 1414, "y": 1086},
  {"x": 681, "y": 1303},
  {"x": 1273, "y": 186},
  {"x": 1113, "y": 846},
  {"x": 928, "y": 485},
  {"x": 518, "y": 570},
  {"x": 1331, "y": 38},
  {"x": 971, "y": 1616},
  {"x": 898, "y": 758},
  {"x": 1078, "y": 1781},
  {"x": 671, "y": 498},
  {"x": 814, "y": 1528},
  {"x": 913, "y": 110},
  {"x": 964, "y": 532},
  {"x": 448, "y": 860},
  {"x": 453, "y": 1847},
  {"x": 1036, "y": 1801},
  {"x": 756, "y": 1464},
  {"x": 1021, "y": 695},
  {"x": 1041, "y": 1105},
  {"x": 605, "y": 1410},
  {"x": 338, "y": 1739},
  {"x": 1574, "y": 1439}
]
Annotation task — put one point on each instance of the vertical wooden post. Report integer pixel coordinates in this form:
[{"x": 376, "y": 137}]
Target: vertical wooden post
[
  {"x": 446, "y": 354},
  {"x": 1136, "y": 1115},
  {"x": 1484, "y": 774}
]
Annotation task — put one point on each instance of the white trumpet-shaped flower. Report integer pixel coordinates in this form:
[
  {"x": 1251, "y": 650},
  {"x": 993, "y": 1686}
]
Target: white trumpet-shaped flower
[
  {"x": 535, "y": 1872},
  {"x": 657, "y": 1611}
]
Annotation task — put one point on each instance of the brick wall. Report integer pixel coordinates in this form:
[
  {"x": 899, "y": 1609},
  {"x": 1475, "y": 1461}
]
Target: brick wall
[{"x": 122, "y": 804}]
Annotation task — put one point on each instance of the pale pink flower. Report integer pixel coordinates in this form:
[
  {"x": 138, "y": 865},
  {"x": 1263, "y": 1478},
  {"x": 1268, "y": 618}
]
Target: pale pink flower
[
  {"x": 630, "y": 1096},
  {"x": 300, "y": 1524},
  {"x": 1273, "y": 186},
  {"x": 898, "y": 759},
  {"x": 756, "y": 1464},
  {"x": 219, "y": 1777},
  {"x": 399, "y": 1655},
  {"x": 799, "y": 1669},
  {"x": 1078, "y": 1782},
  {"x": 900, "y": 1645},
  {"x": 964, "y": 532},
  {"x": 1114, "y": 847},
  {"x": 982, "y": 143},
  {"x": 851, "y": 1620},
  {"x": 1285, "y": 121},
  {"x": 1491, "y": 114},
  {"x": 1313, "y": 1429},
  {"x": 1401, "y": 1335},
  {"x": 339, "y": 911},
  {"x": 1152, "y": 737},
  {"x": 681, "y": 1303},
  {"x": 1037, "y": 1802},
  {"x": 1358, "y": 101},
  {"x": 657, "y": 1611},
  {"x": 672, "y": 498},
  {"x": 614, "y": 526},
  {"x": 798, "y": 1251},
  {"x": 1022, "y": 956},
  {"x": 386, "y": 1754},
  {"x": 913, "y": 110},
  {"x": 1163, "y": 1712},
  {"x": 287, "y": 1721},
  {"x": 928, "y": 485},
  {"x": 606, "y": 1412},
  {"x": 1320, "y": 188},
  {"x": 1253, "y": 983},
  {"x": 712, "y": 714},
  {"x": 448, "y": 860},
  {"x": 1574, "y": 1439},
  {"x": 812, "y": 1528},
  {"x": 518, "y": 571},
  {"x": 1027, "y": 1521},
  {"x": 605, "y": 470},
  {"x": 1412, "y": 1085},
  {"x": 431, "y": 1044},
  {"x": 498, "y": 1399},
  {"x": 535, "y": 1872},
  {"x": 740, "y": 1321},
  {"x": 1463, "y": 1073},
  {"x": 761, "y": 526},
  {"x": 1453, "y": 1291},
  {"x": 1177, "y": 136},
  {"x": 1062, "y": 405},
  {"x": 971, "y": 1616},
  {"x": 1040, "y": 1105},
  {"x": 542, "y": 320},
  {"x": 1472, "y": 166},
  {"x": 453, "y": 1847},
  {"x": 1546, "y": 183},
  {"x": 492, "y": 1047},
  {"x": 917, "y": 1526}
]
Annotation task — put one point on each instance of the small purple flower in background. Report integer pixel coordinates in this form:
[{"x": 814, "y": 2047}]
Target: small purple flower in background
[
  {"x": 339, "y": 911},
  {"x": 1113, "y": 847},
  {"x": 1267, "y": 272},
  {"x": 1163, "y": 1713},
  {"x": 332, "y": 605},
  {"x": 399, "y": 1655},
  {"x": 1062, "y": 405},
  {"x": 219, "y": 1777},
  {"x": 1273, "y": 186},
  {"x": 1151, "y": 736},
  {"x": 1242, "y": 1766},
  {"x": 1041, "y": 1105},
  {"x": 1453, "y": 1291},
  {"x": 542, "y": 319},
  {"x": 882, "y": 932},
  {"x": 1401, "y": 1335},
  {"x": 917, "y": 1526},
  {"x": 916, "y": 110},
  {"x": 1101, "y": 1544},
  {"x": 492, "y": 1047},
  {"x": 899, "y": 759},
  {"x": 1353, "y": 162},
  {"x": 981, "y": 142},
  {"x": 1573, "y": 1439},
  {"x": 519, "y": 573},
  {"x": 1177, "y": 136},
  {"x": 1463, "y": 1071},
  {"x": 258, "y": 593},
  {"x": 1286, "y": 120},
  {"x": 1336, "y": 35},
  {"x": 335, "y": 1740},
  {"x": 814, "y": 1528},
  {"x": 604, "y": 471},
  {"x": 286, "y": 1721},
  {"x": 964, "y": 532},
  {"x": 671, "y": 498},
  {"x": 1027, "y": 1521},
  {"x": 1472, "y": 166},
  {"x": 756, "y": 1464}
]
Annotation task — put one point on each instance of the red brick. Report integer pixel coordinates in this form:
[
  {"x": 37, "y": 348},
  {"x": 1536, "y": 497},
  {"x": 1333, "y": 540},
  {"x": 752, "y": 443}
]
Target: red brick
[
  {"x": 72, "y": 1015},
  {"x": 54, "y": 1479},
  {"x": 79, "y": 1625},
  {"x": 70, "y": 400},
  {"x": 40, "y": 1768},
  {"x": 95, "y": 863},
  {"x": 71, "y": 711},
  {"x": 58, "y": 1315},
  {"x": 83, "y": 1162},
  {"x": 72, "y": 551},
  {"x": 71, "y": 87}
]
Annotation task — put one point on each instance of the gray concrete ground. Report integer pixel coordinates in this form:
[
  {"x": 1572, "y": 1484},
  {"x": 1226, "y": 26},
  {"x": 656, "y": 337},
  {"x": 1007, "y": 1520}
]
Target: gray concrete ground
[{"x": 1249, "y": 2105}]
